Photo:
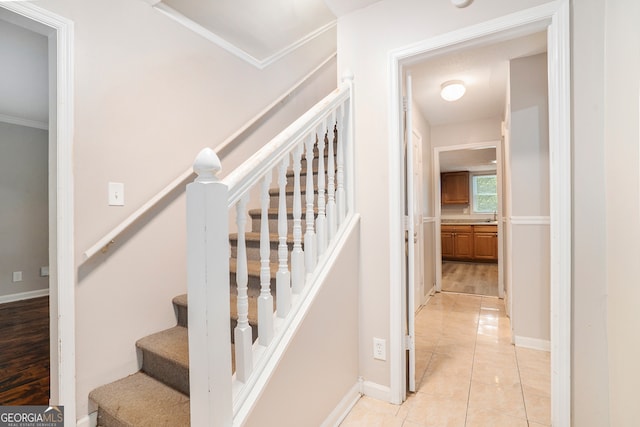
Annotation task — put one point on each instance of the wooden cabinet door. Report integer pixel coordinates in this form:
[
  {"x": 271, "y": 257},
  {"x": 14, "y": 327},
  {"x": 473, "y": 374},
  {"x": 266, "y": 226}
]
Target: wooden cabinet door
[
  {"x": 454, "y": 188},
  {"x": 485, "y": 246},
  {"x": 463, "y": 243},
  {"x": 447, "y": 244}
]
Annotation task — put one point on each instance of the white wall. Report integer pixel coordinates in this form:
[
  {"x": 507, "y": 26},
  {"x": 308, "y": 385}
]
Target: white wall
[
  {"x": 529, "y": 163},
  {"x": 149, "y": 95},
  {"x": 589, "y": 360},
  {"x": 466, "y": 132},
  {"x": 24, "y": 230},
  {"x": 622, "y": 177},
  {"x": 320, "y": 366},
  {"x": 23, "y": 75},
  {"x": 365, "y": 38}
]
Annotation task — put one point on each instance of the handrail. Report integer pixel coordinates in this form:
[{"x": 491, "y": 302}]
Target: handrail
[
  {"x": 109, "y": 238},
  {"x": 252, "y": 170}
]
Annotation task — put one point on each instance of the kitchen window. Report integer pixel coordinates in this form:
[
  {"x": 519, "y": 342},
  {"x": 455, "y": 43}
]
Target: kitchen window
[{"x": 485, "y": 193}]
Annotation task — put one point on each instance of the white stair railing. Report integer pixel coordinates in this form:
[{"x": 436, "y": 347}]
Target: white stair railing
[{"x": 216, "y": 393}]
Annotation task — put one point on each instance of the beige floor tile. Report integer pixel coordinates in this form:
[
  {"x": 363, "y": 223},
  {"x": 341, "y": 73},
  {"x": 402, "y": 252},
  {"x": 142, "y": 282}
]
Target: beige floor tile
[
  {"x": 534, "y": 424},
  {"x": 452, "y": 364},
  {"x": 538, "y": 408},
  {"x": 370, "y": 404},
  {"x": 454, "y": 345},
  {"x": 538, "y": 381},
  {"x": 490, "y": 372},
  {"x": 438, "y": 411},
  {"x": 370, "y": 419},
  {"x": 491, "y": 349},
  {"x": 479, "y": 417},
  {"x": 413, "y": 424},
  {"x": 507, "y": 399},
  {"x": 451, "y": 386}
]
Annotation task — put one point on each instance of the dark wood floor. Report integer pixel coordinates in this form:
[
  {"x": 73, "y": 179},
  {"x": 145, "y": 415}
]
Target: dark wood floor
[
  {"x": 24, "y": 352},
  {"x": 470, "y": 278}
]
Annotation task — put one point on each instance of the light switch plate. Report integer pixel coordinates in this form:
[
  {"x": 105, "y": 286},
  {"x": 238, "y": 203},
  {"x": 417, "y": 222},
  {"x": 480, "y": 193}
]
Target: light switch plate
[
  {"x": 17, "y": 276},
  {"x": 116, "y": 194}
]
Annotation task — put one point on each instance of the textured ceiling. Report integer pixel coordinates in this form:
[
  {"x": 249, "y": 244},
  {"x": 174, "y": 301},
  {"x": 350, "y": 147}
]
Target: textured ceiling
[{"x": 483, "y": 69}]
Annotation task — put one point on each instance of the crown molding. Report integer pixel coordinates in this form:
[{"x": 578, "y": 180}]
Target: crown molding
[
  {"x": 230, "y": 47},
  {"x": 24, "y": 122}
]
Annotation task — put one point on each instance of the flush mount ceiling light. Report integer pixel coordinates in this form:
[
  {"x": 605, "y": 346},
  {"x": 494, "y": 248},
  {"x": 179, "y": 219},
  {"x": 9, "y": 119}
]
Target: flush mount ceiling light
[
  {"x": 452, "y": 90},
  {"x": 461, "y": 3}
]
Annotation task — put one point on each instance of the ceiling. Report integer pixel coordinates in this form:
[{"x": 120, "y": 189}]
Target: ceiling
[
  {"x": 258, "y": 27},
  {"x": 484, "y": 70}
]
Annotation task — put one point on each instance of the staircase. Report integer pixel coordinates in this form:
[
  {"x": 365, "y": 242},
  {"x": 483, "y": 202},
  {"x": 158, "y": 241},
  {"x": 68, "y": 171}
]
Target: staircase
[{"x": 158, "y": 395}]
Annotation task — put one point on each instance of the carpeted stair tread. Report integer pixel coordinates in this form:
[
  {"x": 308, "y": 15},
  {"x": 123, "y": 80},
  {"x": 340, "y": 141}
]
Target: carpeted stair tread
[
  {"x": 142, "y": 401},
  {"x": 253, "y": 267},
  {"x": 172, "y": 344},
  {"x": 254, "y": 236},
  {"x": 272, "y": 213},
  {"x": 165, "y": 356}
]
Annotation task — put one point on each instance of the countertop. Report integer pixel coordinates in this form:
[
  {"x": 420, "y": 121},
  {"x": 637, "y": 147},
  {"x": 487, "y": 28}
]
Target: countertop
[{"x": 467, "y": 222}]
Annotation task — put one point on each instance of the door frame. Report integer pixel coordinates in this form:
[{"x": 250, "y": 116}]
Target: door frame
[
  {"x": 435, "y": 168},
  {"x": 59, "y": 32},
  {"x": 555, "y": 18}
]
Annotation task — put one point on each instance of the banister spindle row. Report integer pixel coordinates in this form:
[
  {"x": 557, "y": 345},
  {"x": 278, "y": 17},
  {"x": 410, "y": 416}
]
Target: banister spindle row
[{"x": 316, "y": 219}]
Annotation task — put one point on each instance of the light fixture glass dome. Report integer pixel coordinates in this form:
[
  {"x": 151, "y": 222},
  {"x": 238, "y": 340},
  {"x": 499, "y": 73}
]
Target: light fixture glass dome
[{"x": 452, "y": 90}]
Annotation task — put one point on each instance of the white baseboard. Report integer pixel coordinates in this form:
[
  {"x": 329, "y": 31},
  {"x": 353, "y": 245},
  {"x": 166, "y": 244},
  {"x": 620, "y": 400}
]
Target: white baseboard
[
  {"x": 24, "y": 295},
  {"x": 90, "y": 420},
  {"x": 376, "y": 391},
  {"x": 533, "y": 343},
  {"x": 344, "y": 407}
]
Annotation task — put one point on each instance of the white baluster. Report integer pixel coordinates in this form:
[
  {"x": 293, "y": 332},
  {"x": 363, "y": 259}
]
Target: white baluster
[
  {"x": 309, "y": 235},
  {"x": 347, "y": 146},
  {"x": 208, "y": 295},
  {"x": 242, "y": 332},
  {"x": 297, "y": 256},
  {"x": 331, "y": 181},
  {"x": 265, "y": 300},
  {"x": 340, "y": 196},
  {"x": 283, "y": 277},
  {"x": 321, "y": 221}
]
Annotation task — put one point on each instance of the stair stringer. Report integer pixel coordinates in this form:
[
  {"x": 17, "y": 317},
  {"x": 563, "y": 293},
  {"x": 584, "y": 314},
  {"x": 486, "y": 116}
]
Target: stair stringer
[{"x": 247, "y": 395}]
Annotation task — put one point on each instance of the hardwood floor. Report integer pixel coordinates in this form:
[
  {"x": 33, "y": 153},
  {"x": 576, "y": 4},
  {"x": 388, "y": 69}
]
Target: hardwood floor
[
  {"x": 24, "y": 352},
  {"x": 470, "y": 278}
]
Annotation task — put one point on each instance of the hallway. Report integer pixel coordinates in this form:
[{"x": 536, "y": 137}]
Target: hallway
[{"x": 468, "y": 373}]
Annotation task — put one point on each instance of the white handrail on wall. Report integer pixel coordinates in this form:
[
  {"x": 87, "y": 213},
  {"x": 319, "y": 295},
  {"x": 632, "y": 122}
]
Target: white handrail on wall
[
  {"x": 219, "y": 397},
  {"x": 109, "y": 238}
]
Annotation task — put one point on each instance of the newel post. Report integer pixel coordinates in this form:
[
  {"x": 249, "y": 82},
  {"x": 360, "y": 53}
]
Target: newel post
[
  {"x": 347, "y": 78},
  {"x": 208, "y": 295}
]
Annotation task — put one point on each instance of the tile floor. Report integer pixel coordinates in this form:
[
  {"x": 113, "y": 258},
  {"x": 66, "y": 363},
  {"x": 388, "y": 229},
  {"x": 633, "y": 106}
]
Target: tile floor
[{"x": 468, "y": 374}]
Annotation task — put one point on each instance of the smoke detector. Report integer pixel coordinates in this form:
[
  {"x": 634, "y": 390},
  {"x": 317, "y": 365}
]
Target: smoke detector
[{"x": 461, "y": 3}]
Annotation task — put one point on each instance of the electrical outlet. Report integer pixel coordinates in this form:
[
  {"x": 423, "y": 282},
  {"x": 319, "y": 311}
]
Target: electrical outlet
[
  {"x": 17, "y": 276},
  {"x": 379, "y": 349}
]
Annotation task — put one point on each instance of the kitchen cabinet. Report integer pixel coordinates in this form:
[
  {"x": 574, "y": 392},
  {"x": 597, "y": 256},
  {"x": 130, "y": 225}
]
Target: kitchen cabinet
[
  {"x": 485, "y": 242},
  {"x": 457, "y": 241},
  {"x": 454, "y": 188},
  {"x": 469, "y": 242}
]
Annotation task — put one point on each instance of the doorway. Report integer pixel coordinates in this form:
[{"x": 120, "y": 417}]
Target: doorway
[
  {"x": 469, "y": 251},
  {"x": 59, "y": 34},
  {"x": 554, "y": 19}
]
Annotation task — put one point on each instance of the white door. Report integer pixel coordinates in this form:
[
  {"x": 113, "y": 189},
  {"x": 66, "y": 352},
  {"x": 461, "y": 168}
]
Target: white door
[
  {"x": 411, "y": 237},
  {"x": 418, "y": 201}
]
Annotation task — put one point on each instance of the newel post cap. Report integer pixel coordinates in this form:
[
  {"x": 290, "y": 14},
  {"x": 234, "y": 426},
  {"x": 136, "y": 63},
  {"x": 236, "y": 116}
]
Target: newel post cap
[
  {"x": 207, "y": 165},
  {"x": 347, "y": 75}
]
